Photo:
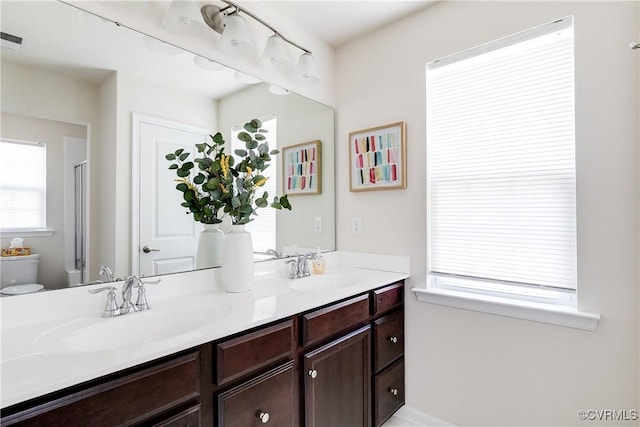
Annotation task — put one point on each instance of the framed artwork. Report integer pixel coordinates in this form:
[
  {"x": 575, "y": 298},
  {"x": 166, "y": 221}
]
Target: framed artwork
[
  {"x": 377, "y": 158},
  {"x": 302, "y": 169}
]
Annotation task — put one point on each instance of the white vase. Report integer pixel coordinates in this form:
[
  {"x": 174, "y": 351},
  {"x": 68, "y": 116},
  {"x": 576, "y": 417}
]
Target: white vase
[
  {"x": 237, "y": 260},
  {"x": 210, "y": 247}
]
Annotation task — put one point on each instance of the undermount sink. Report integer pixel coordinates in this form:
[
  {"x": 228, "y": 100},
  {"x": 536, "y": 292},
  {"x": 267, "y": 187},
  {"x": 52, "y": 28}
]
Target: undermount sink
[
  {"x": 327, "y": 281},
  {"x": 104, "y": 334}
]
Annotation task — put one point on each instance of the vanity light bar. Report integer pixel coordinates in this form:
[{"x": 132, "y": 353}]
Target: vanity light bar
[
  {"x": 235, "y": 37},
  {"x": 214, "y": 17}
]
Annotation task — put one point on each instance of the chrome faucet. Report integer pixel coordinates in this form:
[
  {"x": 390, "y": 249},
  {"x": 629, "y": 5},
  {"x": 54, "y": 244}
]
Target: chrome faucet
[
  {"x": 127, "y": 289},
  {"x": 112, "y": 309},
  {"x": 107, "y": 273},
  {"x": 271, "y": 253},
  {"x": 274, "y": 253},
  {"x": 299, "y": 266},
  {"x": 303, "y": 265}
]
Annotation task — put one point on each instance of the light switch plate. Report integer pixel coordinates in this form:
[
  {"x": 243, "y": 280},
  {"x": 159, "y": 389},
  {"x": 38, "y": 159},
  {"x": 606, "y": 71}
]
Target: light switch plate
[{"x": 356, "y": 225}]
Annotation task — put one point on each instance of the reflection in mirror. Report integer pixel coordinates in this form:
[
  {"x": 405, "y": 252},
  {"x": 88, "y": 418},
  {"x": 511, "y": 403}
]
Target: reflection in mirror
[{"x": 80, "y": 80}]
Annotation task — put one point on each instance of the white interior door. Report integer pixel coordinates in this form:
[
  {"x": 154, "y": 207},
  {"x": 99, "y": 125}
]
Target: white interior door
[{"x": 167, "y": 235}]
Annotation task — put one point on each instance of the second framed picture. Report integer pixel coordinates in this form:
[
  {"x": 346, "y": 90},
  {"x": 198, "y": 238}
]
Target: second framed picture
[
  {"x": 302, "y": 169},
  {"x": 377, "y": 158}
]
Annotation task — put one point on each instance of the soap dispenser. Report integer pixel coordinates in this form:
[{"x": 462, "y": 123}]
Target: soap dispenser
[{"x": 318, "y": 263}]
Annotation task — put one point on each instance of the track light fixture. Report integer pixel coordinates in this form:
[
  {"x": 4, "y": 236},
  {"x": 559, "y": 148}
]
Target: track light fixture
[
  {"x": 183, "y": 18},
  {"x": 235, "y": 37}
]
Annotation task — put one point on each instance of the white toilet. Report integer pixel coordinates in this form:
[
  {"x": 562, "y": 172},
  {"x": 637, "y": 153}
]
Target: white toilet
[{"x": 19, "y": 274}]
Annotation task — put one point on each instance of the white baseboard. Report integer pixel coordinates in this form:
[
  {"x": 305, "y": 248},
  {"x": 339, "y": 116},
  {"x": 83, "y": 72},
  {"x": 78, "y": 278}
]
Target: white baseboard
[{"x": 415, "y": 417}]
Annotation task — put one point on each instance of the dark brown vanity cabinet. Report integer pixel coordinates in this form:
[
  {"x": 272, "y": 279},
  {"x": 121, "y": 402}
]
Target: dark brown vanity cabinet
[
  {"x": 336, "y": 378},
  {"x": 336, "y": 382},
  {"x": 388, "y": 354},
  {"x": 356, "y": 376},
  {"x": 162, "y": 394},
  {"x": 257, "y": 397},
  {"x": 341, "y": 364}
]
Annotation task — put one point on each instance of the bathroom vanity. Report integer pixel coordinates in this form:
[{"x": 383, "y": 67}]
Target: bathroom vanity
[{"x": 282, "y": 355}]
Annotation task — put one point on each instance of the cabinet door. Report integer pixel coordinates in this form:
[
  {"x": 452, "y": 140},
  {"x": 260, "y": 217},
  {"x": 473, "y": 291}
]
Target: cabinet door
[
  {"x": 337, "y": 382},
  {"x": 268, "y": 399}
]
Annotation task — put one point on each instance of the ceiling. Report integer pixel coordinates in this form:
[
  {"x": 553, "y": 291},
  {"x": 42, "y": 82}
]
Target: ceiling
[
  {"x": 55, "y": 33},
  {"x": 337, "y": 22}
]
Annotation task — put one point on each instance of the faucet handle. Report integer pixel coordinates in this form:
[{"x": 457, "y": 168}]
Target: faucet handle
[
  {"x": 141, "y": 301},
  {"x": 111, "y": 308},
  {"x": 303, "y": 266},
  {"x": 293, "y": 272},
  {"x": 105, "y": 288}
]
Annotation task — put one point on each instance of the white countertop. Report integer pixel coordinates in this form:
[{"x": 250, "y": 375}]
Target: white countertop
[{"x": 39, "y": 354}]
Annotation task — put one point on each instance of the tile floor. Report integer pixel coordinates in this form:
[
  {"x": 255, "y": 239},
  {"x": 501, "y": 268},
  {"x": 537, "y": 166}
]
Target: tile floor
[{"x": 396, "y": 421}]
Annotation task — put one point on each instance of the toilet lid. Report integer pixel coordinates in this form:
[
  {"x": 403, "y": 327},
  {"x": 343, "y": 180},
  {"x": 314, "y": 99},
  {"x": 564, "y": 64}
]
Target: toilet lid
[{"x": 21, "y": 289}]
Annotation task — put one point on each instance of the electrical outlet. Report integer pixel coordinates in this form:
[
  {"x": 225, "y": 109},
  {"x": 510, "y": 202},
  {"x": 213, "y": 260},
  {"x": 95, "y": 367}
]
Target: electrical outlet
[
  {"x": 356, "y": 225},
  {"x": 317, "y": 225}
]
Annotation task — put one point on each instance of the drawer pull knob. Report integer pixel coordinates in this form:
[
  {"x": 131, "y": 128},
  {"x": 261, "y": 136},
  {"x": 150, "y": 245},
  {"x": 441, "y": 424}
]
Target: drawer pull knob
[
  {"x": 393, "y": 391},
  {"x": 393, "y": 340},
  {"x": 313, "y": 373},
  {"x": 264, "y": 417}
]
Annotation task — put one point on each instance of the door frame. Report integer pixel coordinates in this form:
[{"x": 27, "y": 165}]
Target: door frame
[{"x": 137, "y": 120}]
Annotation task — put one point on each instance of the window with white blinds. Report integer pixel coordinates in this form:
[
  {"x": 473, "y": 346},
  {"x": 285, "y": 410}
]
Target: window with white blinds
[
  {"x": 263, "y": 226},
  {"x": 23, "y": 185},
  {"x": 501, "y": 164}
]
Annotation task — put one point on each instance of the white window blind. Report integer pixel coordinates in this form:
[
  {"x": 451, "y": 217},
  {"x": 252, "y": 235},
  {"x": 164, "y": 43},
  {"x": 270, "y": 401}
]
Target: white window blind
[
  {"x": 501, "y": 161},
  {"x": 263, "y": 226},
  {"x": 23, "y": 185}
]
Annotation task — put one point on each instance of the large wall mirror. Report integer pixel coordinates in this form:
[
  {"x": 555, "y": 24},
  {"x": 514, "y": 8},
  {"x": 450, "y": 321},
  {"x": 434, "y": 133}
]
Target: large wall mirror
[{"x": 95, "y": 94}]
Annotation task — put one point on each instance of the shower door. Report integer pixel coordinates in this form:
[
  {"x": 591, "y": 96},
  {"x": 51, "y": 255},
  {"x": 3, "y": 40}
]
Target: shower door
[{"x": 80, "y": 215}]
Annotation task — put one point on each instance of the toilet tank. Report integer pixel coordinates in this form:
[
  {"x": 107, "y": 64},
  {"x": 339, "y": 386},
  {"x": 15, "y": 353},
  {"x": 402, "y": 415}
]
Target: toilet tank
[{"x": 19, "y": 270}]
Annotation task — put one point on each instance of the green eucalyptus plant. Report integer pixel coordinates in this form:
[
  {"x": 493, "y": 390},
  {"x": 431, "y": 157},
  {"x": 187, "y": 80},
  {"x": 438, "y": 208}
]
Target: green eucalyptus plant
[{"x": 220, "y": 187}]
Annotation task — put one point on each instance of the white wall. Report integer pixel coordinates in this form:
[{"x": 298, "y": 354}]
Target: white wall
[
  {"x": 299, "y": 120},
  {"x": 33, "y": 92},
  {"x": 51, "y": 268},
  {"x": 471, "y": 368}
]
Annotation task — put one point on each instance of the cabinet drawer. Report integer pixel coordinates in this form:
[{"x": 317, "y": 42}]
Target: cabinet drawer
[
  {"x": 326, "y": 322},
  {"x": 384, "y": 299},
  {"x": 389, "y": 339},
  {"x": 253, "y": 351},
  {"x": 120, "y": 402},
  {"x": 389, "y": 392},
  {"x": 267, "y": 399}
]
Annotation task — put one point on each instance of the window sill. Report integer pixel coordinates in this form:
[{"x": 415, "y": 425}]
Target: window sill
[
  {"x": 41, "y": 232},
  {"x": 545, "y": 313}
]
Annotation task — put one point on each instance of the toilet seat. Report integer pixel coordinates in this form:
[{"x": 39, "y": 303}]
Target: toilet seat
[{"x": 21, "y": 289}]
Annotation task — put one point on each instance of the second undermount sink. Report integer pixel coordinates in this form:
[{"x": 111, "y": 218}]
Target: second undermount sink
[
  {"x": 327, "y": 281},
  {"x": 93, "y": 334}
]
